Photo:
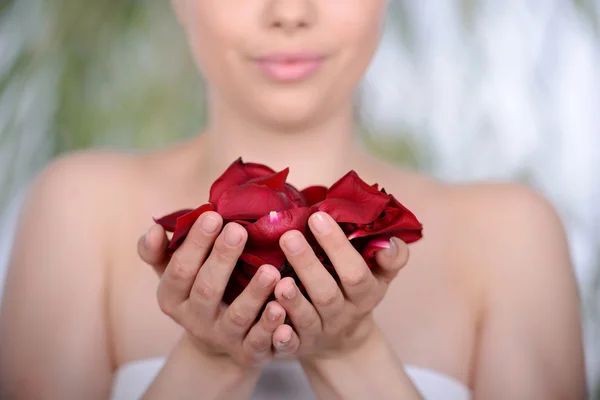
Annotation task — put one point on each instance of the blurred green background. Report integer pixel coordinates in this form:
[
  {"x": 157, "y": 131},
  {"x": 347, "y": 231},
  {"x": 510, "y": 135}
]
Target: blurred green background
[{"x": 463, "y": 89}]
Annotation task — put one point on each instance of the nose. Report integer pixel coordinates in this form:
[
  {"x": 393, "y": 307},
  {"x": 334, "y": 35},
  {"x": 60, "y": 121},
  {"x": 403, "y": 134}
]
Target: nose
[{"x": 290, "y": 15}]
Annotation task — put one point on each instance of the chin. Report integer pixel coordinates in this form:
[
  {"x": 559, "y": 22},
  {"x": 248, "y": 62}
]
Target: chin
[{"x": 298, "y": 113}]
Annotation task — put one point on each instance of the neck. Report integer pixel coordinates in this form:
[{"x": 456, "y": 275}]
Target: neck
[{"x": 316, "y": 155}]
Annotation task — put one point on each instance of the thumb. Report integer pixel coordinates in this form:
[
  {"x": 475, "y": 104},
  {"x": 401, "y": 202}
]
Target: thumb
[
  {"x": 391, "y": 260},
  {"x": 152, "y": 248}
]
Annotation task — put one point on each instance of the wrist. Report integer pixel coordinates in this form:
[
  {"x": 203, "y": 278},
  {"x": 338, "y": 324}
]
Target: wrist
[
  {"x": 363, "y": 337},
  {"x": 365, "y": 342},
  {"x": 370, "y": 370}
]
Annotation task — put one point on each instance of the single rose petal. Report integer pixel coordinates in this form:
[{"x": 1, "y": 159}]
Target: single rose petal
[
  {"x": 295, "y": 196},
  {"x": 168, "y": 221},
  {"x": 374, "y": 245},
  {"x": 314, "y": 194},
  {"x": 278, "y": 182},
  {"x": 183, "y": 224},
  {"x": 396, "y": 220},
  {"x": 259, "y": 256},
  {"x": 251, "y": 201},
  {"x": 350, "y": 199},
  {"x": 275, "y": 181},
  {"x": 237, "y": 174},
  {"x": 342, "y": 210},
  {"x": 350, "y": 186},
  {"x": 267, "y": 230}
]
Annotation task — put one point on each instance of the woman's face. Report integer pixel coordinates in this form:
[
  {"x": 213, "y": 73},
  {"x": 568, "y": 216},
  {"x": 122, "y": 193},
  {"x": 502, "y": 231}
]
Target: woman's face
[{"x": 282, "y": 61}]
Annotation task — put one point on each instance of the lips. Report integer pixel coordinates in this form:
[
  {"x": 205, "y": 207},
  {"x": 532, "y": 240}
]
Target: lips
[{"x": 287, "y": 67}]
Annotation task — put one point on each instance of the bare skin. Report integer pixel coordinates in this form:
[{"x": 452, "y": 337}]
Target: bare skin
[
  {"x": 457, "y": 306},
  {"x": 487, "y": 297}
]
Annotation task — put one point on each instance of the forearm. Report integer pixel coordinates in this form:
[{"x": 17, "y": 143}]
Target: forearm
[
  {"x": 192, "y": 374},
  {"x": 371, "y": 372}
]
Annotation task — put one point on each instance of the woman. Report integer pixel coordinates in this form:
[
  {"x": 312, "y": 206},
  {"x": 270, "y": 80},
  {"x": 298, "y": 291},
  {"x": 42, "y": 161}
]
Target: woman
[{"x": 485, "y": 305}]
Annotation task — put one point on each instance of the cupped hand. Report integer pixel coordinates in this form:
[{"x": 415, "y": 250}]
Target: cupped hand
[
  {"x": 192, "y": 283},
  {"x": 338, "y": 317}
]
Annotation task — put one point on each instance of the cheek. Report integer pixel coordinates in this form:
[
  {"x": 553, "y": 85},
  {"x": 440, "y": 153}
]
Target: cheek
[
  {"x": 358, "y": 44},
  {"x": 213, "y": 35}
]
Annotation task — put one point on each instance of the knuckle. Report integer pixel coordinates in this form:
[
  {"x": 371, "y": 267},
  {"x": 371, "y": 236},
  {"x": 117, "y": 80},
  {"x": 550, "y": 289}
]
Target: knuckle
[
  {"x": 355, "y": 279},
  {"x": 258, "y": 344},
  {"x": 200, "y": 243},
  {"x": 198, "y": 331},
  {"x": 223, "y": 256},
  {"x": 238, "y": 318},
  {"x": 327, "y": 299},
  {"x": 179, "y": 269},
  {"x": 306, "y": 322},
  {"x": 203, "y": 290}
]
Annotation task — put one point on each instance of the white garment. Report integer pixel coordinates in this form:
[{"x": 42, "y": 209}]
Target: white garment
[{"x": 282, "y": 379}]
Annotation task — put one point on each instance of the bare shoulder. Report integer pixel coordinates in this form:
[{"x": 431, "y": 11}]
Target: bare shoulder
[
  {"x": 56, "y": 273},
  {"x": 501, "y": 222},
  {"x": 514, "y": 241},
  {"x": 89, "y": 169},
  {"x": 508, "y": 233},
  {"x": 500, "y": 200}
]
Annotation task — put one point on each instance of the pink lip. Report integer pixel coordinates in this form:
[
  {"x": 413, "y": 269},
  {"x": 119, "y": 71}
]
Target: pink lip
[{"x": 289, "y": 67}]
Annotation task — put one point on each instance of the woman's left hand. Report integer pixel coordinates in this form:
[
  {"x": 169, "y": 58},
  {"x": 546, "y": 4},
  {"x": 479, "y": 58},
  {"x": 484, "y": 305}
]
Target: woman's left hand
[{"x": 339, "y": 320}]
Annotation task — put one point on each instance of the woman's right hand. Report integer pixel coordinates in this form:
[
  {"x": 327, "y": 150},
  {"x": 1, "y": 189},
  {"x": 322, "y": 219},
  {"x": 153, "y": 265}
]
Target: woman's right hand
[{"x": 191, "y": 287}]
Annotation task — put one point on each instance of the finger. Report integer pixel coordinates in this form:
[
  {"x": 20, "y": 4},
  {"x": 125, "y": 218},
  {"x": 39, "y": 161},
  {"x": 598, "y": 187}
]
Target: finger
[
  {"x": 180, "y": 273},
  {"x": 391, "y": 260},
  {"x": 303, "y": 315},
  {"x": 257, "y": 344},
  {"x": 285, "y": 341},
  {"x": 357, "y": 279},
  {"x": 152, "y": 248},
  {"x": 207, "y": 291},
  {"x": 321, "y": 287},
  {"x": 237, "y": 319}
]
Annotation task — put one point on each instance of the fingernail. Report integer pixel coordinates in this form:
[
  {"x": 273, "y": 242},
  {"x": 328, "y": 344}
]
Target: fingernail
[
  {"x": 390, "y": 252},
  {"x": 209, "y": 224},
  {"x": 274, "y": 314},
  {"x": 320, "y": 223},
  {"x": 232, "y": 237},
  {"x": 146, "y": 238},
  {"x": 294, "y": 242},
  {"x": 290, "y": 292},
  {"x": 265, "y": 280},
  {"x": 286, "y": 338}
]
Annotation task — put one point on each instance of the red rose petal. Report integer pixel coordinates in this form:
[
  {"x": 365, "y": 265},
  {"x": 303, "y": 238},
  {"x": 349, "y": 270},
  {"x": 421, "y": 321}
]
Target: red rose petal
[
  {"x": 295, "y": 196},
  {"x": 314, "y": 194},
  {"x": 357, "y": 212},
  {"x": 259, "y": 256},
  {"x": 248, "y": 193},
  {"x": 267, "y": 230},
  {"x": 185, "y": 223},
  {"x": 275, "y": 181},
  {"x": 350, "y": 199},
  {"x": 168, "y": 221},
  {"x": 397, "y": 221},
  {"x": 374, "y": 245},
  {"x": 237, "y": 174},
  {"x": 251, "y": 201}
]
